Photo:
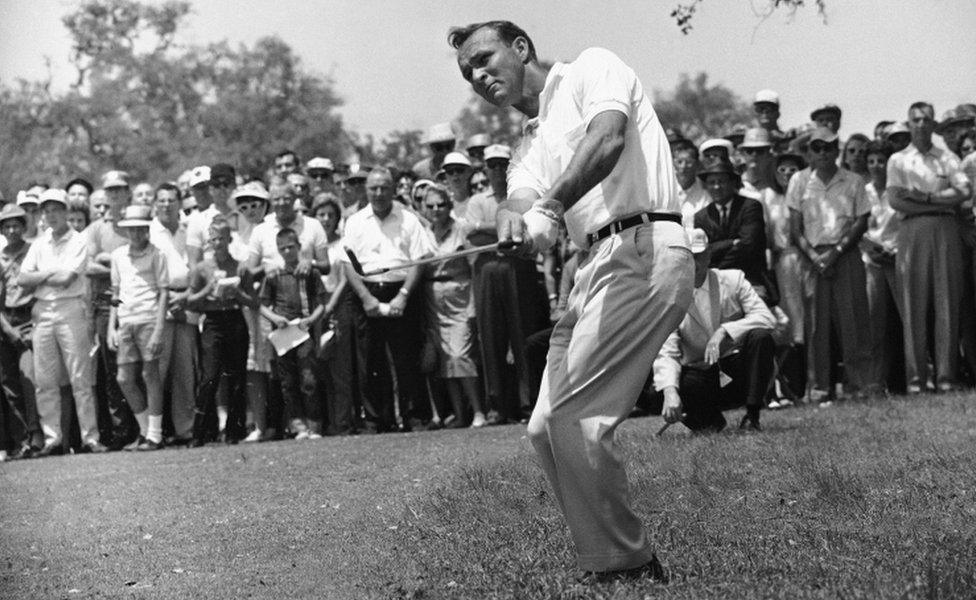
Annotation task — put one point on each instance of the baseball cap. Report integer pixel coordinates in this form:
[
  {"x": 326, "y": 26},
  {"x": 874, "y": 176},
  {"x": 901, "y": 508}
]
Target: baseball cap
[
  {"x": 699, "y": 240},
  {"x": 251, "y": 189},
  {"x": 827, "y": 108},
  {"x": 766, "y": 96},
  {"x": 456, "y": 158},
  {"x": 498, "y": 151},
  {"x": 12, "y": 211},
  {"x": 223, "y": 171},
  {"x": 823, "y": 134},
  {"x": 24, "y": 198},
  {"x": 115, "y": 179},
  {"x": 54, "y": 195},
  {"x": 136, "y": 215},
  {"x": 199, "y": 175},
  {"x": 439, "y": 133},
  {"x": 320, "y": 163},
  {"x": 478, "y": 140}
]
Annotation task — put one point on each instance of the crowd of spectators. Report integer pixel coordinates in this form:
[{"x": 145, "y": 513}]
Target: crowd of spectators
[{"x": 224, "y": 306}]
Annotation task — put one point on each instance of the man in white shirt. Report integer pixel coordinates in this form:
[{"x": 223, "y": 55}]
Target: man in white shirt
[
  {"x": 221, "y": 183},
  {"x": 61, "y": 338},
  {"x": 384, "y": 234},
  {"x": 721, "y": 356},
  {"x": 692, "y": 194},
  {"x": 926, "y": 186},
  {"x": 593, "y": 149}
]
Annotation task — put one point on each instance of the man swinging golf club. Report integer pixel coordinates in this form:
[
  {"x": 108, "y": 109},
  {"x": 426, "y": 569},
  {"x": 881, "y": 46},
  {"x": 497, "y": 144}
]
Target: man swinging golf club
[{"x": 594, "y": 154}]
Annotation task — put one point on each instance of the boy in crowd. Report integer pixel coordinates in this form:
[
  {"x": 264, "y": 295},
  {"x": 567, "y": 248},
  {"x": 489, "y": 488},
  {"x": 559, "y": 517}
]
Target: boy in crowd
[
  {"x": 224, "y": 339},
  {"x": 140, "y": 281},
  {"x": 288, "y": 296}
]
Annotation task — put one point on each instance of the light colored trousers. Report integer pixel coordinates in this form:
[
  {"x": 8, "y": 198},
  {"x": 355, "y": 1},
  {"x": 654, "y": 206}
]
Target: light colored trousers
[
  {"x": 630, "y": 293},
  {"x": 929, "y": 266},
  {"x": 62, "y": 342},
  {"x": 178, "y": 365}
]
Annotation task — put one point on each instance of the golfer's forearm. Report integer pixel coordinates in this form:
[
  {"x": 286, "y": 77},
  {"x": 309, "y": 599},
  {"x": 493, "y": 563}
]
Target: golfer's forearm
[{"x": 594, "y": 159}]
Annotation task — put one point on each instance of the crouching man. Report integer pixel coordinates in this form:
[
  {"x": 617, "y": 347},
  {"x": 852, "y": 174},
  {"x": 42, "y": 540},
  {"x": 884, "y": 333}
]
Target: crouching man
[{"x": 721, "y": 356}]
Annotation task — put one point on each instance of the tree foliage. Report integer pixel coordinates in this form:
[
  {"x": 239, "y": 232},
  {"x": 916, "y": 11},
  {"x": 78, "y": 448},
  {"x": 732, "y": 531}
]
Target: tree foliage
[
  {"x": 143, "y": 103},
  {"x": 684, "y": 12},
  {"x": 698, "y": 110}
]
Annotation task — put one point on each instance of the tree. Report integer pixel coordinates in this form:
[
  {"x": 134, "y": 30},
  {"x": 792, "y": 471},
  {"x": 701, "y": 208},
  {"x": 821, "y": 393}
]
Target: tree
[
  {"x": 145, "y": 104},
  {"x": 684, "y": 12},
  {"x": 699, "y": 111}
]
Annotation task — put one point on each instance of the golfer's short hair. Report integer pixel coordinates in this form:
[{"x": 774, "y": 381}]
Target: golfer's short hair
[{"x": 506, "y": 30}]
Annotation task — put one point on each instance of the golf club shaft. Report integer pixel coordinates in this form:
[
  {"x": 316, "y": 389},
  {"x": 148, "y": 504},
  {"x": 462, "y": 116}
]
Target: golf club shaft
[{"x": 435, "y": 259}]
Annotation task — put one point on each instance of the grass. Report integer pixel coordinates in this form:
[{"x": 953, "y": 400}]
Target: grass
[{"x": 872, "y": 500}]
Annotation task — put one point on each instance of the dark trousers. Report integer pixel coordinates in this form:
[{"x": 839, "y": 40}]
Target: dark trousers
[
  {"x": 345, "y": 369},
  {"x": 296, "y": 372},
  {"x": 116, "y": 422},
  {"x": 704, "y": 398},
  {"x": 403, "y": 337},
  {"x": 224, "y": 343},
  {"x": 509, "y": 305},
  {"x": 18, "y": 408}
]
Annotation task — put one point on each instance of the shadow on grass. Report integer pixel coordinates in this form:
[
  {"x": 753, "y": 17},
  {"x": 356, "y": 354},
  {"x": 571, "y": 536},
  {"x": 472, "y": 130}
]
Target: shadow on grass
[{"x": 868, "y": 500}]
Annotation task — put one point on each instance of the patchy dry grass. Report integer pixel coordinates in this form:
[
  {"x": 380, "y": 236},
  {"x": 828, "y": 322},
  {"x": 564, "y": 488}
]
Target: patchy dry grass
[{"x": 872, "y": 500}]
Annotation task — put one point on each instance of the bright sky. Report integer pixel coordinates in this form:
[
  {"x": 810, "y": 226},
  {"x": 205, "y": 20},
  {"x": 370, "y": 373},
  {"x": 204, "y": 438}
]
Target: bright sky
[{"x": 394, "y": 69}]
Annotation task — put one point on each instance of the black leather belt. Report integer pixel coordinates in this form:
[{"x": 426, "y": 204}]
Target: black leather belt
[
  {"x": 627, "y": 223},
  {"x": 382, "y": 285}
]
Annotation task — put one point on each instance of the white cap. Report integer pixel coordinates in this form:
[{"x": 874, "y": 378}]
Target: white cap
[
  {"x": 766, "y": 96},
  {"x": 199, "y": 175},
  {"x": 24, "y": 198},
  {"x": 320, "y": 163},
  {"x": 498, "y": 151},
  {"x": 439, "y": 133},
  {"x": 717, "y": 143},
  {"x": 699, "y": 240},
  {"x": 456, "y": 158},
  {"x": 54, "y": 195}
]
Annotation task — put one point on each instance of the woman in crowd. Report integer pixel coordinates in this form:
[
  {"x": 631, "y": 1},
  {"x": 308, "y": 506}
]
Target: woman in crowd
[
  {"x": 478, "y": 182},
  {"x": 854, "y": 157},
  {"x": 450, "y": 311},
  {"x": 337, "y": 323}
]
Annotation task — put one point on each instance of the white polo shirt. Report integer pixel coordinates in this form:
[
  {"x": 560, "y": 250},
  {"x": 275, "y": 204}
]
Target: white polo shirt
[
  {"x": 828, "y": 209},
  {"x": 643, "y": 179},
  {"x": 397, "y": 239},
  {"x": 67, "y": 253},
  {"x": 311, "y": 239}
]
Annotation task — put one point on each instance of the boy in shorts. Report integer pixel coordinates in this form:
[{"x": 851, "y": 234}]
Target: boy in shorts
[{"x": 139, "y": 298}]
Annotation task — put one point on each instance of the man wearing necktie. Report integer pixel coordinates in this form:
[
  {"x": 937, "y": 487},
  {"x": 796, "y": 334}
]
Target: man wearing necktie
[
  {"x": 721, "y": 355},
  {"x": 735, "y": 226}
]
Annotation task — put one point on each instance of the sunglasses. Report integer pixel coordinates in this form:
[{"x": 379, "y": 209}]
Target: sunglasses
[
  {"x": 320, "y": 174},
  {"x": 754, "y": 151},
  {"x": 819, "y": 147},
  {"x": 221, "y": 183},
  {"x": 454, "y": 170},
  {"x": 437, "y": 205},
  {"x": 479, "y": 183},
  {"x": 497, "y": 164}
]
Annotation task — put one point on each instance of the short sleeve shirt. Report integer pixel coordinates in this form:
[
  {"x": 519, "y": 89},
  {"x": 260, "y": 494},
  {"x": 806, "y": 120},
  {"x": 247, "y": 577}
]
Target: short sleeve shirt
[
  {"x": 103, "y": 237},
  {"x": 137, "y": 278},
  {"x": 482, "y": 209},
  {"x": 828, "y": 209},
  {"x": 931, "y": 172},
  {"x": 311, "y": 239},
  {"x": 643, "y": 178},
  {"x": 66, "y": 253},
  {"x": 883, "y": 222},
  {"x": 293, "y": 297},
  {"x": 397, "y": 239}
]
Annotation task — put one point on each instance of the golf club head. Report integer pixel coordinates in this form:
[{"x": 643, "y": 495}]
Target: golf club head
[{"x": 356, "y": 265}]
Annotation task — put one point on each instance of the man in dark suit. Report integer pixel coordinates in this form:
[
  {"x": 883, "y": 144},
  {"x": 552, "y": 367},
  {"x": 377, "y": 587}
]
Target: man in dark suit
[{"x": 735, "y": 227}]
